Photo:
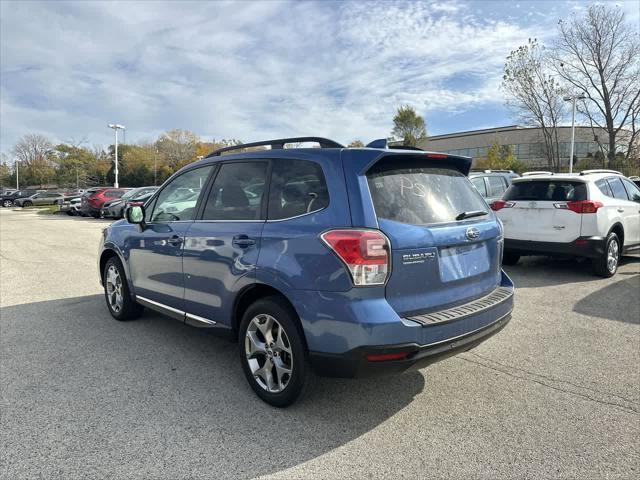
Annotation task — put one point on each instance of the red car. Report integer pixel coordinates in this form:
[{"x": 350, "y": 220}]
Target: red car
[{"x": 92, "y": 201}]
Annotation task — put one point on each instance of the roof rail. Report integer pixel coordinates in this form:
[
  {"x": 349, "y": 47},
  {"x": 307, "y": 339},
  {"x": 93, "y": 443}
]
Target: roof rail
[
  {"x": 277, "y": 144},
  {"x": 488, "y": 170},
  {"x": 599, "y": 170},
  {"x": 531, "y": 174}
]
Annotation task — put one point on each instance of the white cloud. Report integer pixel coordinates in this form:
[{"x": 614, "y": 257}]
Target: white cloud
[{"x": 243, "y": 70}]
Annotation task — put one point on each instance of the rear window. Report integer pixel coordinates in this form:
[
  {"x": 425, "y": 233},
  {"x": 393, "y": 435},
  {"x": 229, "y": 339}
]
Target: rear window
[
  {"x": 422, "y": 195},
  {"x": 547, "y": 190}
]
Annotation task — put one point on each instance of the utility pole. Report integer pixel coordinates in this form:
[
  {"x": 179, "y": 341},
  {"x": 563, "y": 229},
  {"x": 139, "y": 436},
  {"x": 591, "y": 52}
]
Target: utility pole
[
  {"x": 573, "y": 98},
  {"x": 116, "y": 127}
]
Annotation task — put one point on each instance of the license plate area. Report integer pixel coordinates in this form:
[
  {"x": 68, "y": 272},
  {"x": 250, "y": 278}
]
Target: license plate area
[{"x": 464, "y": 261}]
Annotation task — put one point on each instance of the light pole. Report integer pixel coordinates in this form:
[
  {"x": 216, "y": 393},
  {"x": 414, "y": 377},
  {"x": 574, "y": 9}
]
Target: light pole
[
  {"x": 116, "y": 127},
  {"x": 572, "y": 99}
]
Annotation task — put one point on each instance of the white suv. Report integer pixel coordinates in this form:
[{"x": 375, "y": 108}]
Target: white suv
[{"x": 593, "y": 214}]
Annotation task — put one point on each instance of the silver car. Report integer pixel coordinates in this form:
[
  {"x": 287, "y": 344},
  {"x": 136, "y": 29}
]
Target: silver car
[{"x": 42, "y": 198}]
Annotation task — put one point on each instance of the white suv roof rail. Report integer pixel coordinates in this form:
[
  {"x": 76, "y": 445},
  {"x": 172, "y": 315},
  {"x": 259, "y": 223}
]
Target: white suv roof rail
[
  {"x": 530, "y": 174},
  {"x": 601, "y": 170}
]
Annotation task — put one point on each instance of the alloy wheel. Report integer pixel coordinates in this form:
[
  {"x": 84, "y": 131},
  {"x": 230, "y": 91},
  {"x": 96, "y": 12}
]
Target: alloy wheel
[
  {"x": 114, "y": 289},
  {"x": 612, "y": 256},
  {"x": 269, "y": 353}
]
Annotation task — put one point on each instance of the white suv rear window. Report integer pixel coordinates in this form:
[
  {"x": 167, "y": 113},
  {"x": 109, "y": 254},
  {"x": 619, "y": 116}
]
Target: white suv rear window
[{"x": 547, "y": 190}]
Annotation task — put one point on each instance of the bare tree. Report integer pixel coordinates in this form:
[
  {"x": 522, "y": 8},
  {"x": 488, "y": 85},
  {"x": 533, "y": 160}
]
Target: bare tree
[
  {"x": 534, "y": 94},
  {"x": 34, "y": 152},
  {"x": 598, "y": 54}
]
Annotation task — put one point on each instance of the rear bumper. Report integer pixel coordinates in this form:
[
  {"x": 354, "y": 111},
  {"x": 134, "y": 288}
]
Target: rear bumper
[
  {"x": 424, "y": 339},
  {"x": 582, "y": 247},
  {"x": 354, "y": 363}
]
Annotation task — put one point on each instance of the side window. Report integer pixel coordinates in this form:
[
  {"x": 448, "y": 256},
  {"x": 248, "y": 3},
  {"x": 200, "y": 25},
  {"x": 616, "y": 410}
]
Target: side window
[
  {"x": 237, "y": 191},
  {"x": 177, "y": 200},
  {"x": 603, "y": 186},
  {"x": 478, "y": 182},
  {"x": 297, "y": 187},
  {"x": 497, "y": 185},
  {"x": 632, "y": 190},
  {"x": 618, "y": 189}
]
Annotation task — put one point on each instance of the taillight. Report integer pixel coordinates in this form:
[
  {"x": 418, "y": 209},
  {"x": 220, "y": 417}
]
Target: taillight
[
  {"x": 580, "y": 206},
  {"x": 364, "y": 252},
  {"x": 500, "y": 204}
]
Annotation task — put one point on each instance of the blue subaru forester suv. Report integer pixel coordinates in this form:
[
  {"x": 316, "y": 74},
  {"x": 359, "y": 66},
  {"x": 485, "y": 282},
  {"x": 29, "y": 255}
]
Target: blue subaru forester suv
[{"x": 353, "y": 262}]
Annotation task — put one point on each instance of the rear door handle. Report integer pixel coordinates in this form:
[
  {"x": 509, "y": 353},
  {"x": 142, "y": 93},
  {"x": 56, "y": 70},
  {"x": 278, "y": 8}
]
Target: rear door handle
[
  {"x": 243, "y": 241},
  {"x": 175, "y": 240}
]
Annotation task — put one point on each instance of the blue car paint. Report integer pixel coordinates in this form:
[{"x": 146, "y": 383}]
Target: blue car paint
[{"x": 289, "y": 257}]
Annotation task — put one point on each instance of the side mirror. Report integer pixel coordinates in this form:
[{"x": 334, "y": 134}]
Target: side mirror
[{"x": 135, "y": 214}]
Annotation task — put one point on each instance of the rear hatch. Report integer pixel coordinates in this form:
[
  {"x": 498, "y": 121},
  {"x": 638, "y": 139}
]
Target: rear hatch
[
  {"x": 439, "y": 258},
  {"x": 538, "y": 210}
]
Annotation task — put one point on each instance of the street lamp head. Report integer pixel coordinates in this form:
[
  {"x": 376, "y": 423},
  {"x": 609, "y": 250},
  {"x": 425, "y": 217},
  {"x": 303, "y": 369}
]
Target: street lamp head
[{"x": 116, "y": 126}]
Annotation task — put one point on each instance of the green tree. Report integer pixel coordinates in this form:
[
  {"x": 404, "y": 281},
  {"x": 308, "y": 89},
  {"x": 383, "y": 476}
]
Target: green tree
[
  {"x": 499, "y": 157},
  {"x": 408, "y": 126}
]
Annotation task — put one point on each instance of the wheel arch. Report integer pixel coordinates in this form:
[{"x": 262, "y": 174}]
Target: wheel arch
[
  {"x": 618, "y": 229},
  {"x": 110, "y": 252},
  {"x": 251, "y": 294}
]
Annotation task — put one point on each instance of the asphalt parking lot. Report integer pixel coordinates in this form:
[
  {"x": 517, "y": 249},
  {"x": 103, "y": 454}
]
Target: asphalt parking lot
[{"x": 554, "y": 395}]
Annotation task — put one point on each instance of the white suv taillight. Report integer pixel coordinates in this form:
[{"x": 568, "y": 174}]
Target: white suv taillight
[{"x": 364, "y": 252}]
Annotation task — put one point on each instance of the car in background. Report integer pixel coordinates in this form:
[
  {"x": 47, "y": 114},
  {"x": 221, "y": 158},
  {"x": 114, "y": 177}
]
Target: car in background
[
  {"x": 71, "y": 206},
  {"x": 492, "y": 183},
  {"x": 354, "y": 262},
  {"x": 595, "y": 214},
  {"x": 9, "y": 199},
  {"x": 41, "y": 198},
  {"x": 635, "y": 179},
  {"x": 115, "y": 208},
  {"x": 92, "y": 201}
]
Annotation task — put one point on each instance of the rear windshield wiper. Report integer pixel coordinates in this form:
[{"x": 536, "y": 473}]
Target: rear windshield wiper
[{"x": 471, "y": 214}]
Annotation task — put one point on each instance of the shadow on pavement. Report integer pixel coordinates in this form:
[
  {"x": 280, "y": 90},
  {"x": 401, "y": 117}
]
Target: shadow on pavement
[
  {"x": 623, "y": 294},
  {"x": 85, "y": 395},
  {"x": 533, "y": 272}
]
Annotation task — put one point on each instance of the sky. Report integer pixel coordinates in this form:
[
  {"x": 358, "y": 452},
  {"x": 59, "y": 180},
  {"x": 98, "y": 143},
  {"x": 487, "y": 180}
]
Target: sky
[{"x": 257, "y": 70}]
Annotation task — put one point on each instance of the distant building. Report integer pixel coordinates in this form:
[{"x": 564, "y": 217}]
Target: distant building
[{"x": 527, "y": 143}]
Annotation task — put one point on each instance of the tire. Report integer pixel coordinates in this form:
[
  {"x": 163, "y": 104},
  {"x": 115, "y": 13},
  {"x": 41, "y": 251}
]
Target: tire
[
  {"x": 275, "y": 385},
  {"x": 70, "y": 213},
  {"x": 27, "y": 204},
  {"x": 606, "y": 265},
  {"x": 95, "y": 215},
  {"x": 116, "y": 293},
  {"x": 510, "y": 258},
  {"x": 7, "y": 203}
]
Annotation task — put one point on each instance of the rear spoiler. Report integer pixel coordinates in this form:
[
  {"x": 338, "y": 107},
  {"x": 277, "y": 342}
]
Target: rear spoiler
[{"x": 363, "y": 163}]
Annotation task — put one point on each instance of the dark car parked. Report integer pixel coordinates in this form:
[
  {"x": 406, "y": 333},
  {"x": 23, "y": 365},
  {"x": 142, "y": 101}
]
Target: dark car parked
[
  {"x": 9, "y": 200},
  {"x": 351, "y": 261},
  {"x": 492, "y": 183},
  {"x": 115, "y": 208},
  {"x": 92, "y": 201}
]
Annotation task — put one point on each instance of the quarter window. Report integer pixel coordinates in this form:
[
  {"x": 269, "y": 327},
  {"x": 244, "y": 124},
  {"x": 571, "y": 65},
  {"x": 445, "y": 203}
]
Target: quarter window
[
  {"x": 603, "y": 186},
  {"x": 237, "y": 192},
  {"x": 618, "y": 189},
  {"x": 298, "y": 187},
  {"x": 177, "y": 201},
  {"x": 497, "y": 185},
  {"x": 478, "y": 182}
]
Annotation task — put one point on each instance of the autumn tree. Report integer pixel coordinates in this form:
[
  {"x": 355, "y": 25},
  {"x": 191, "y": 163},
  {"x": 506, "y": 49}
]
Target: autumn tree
[
  {"x": 535, "y": 95},
  {"x": 499, "y": 157},
  {"x": 598, "y": 55},
  {"x": 408, "y": 126},
  {"x": 356, "y": 144},
  {"x": 177, "y": 147}
]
